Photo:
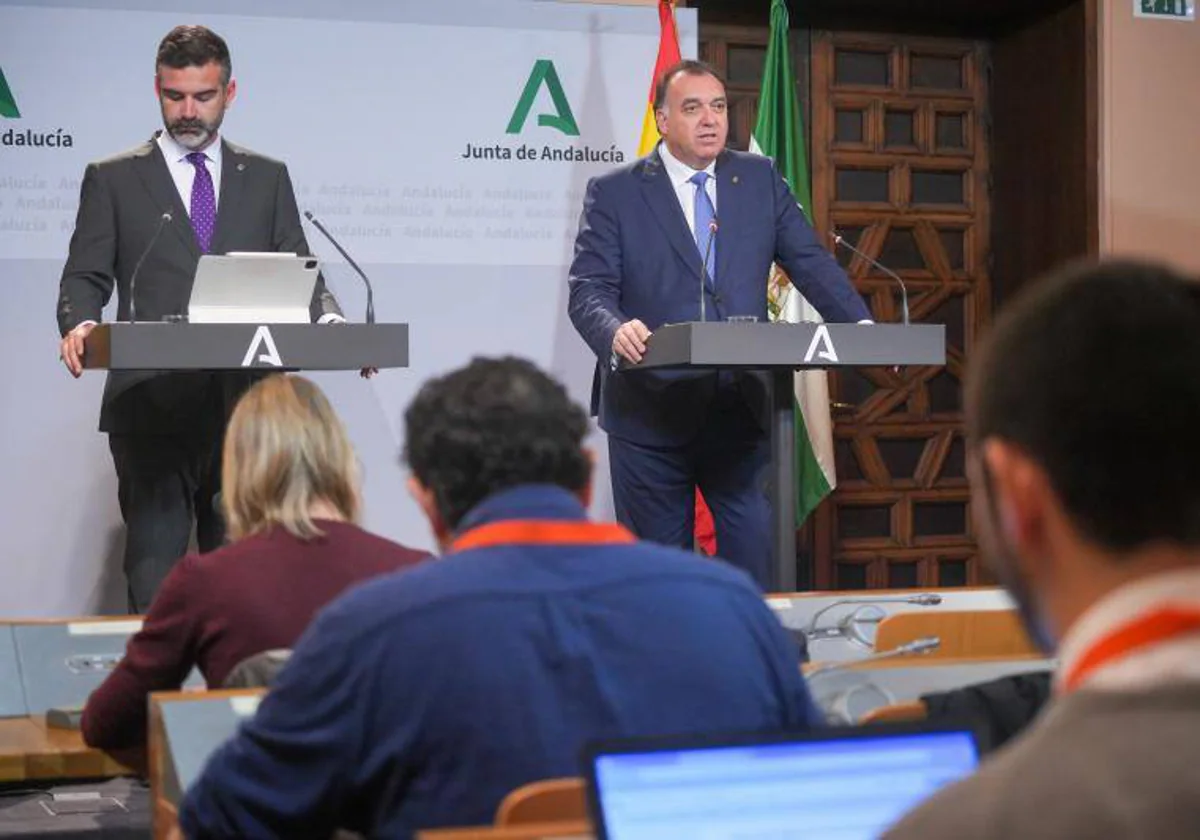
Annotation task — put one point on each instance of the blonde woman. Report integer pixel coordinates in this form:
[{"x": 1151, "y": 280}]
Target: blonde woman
[{"x": 291, "y": 500}]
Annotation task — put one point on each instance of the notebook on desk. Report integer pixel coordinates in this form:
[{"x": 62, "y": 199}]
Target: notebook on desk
[{"x": 834, "y": 784}]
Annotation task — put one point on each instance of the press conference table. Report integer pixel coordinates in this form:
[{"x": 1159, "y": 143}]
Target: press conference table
[
  {"x": 29, "y": 751},
  {"x": 531, "y": 831}
]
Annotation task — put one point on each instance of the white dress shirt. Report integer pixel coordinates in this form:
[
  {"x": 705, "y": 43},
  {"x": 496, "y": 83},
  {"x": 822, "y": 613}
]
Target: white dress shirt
[
  {"x": 183, "y": 172},
  {"x": 681, "y": 174}
]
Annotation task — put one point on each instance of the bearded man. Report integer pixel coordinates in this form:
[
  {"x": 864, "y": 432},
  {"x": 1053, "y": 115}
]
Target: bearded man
[
  {"x": 149, "y": 214},
  {"x": 1082, "y": 408}
]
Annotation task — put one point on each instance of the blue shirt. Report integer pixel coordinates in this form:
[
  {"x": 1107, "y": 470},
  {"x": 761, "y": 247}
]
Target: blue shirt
[{"x": 422, "y": 698}]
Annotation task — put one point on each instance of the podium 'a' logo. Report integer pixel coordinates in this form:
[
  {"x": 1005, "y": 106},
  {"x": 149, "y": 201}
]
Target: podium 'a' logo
[
  {"x": 821, "y": 346},
  {"x": 8, "y": 102},
  {"x": 263, "y": 340},
  {"x": 544, "y": 74}
]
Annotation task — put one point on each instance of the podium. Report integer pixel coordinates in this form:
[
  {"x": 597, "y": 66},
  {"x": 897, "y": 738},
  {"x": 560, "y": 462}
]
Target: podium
[
  {"x": 153, "y": 345},
  {"x": 842, "y": 626},
  {"x": 780, "y": 349}
]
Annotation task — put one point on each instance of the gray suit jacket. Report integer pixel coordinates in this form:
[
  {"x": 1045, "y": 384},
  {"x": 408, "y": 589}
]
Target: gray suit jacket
[
  {"x": 121, "y": 203},
  {"x": 1096, "y": 764}
]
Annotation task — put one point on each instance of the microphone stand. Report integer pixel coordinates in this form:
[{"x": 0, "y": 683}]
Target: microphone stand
[{"x": 841, "y": 240}]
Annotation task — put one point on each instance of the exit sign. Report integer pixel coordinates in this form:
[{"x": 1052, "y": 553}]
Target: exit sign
[{"x": 1170, "y": 9}]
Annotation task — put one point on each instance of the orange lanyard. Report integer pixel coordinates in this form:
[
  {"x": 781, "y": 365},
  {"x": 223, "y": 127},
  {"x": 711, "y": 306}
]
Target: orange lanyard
[
  {"x": 1154, "y": 628},
  {"x": 542, "y": 532}
]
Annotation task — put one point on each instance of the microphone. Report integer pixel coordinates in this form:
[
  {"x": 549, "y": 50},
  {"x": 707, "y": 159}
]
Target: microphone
[
  {"x": 917, "y": 647},
  {"x": 841, "y": 240},
  {"x": 162, "y": 222},
  {"x": 85, "y": 663},
  {"x": 370, "y": 319},
  {"x": 925, "y": 599},
  {"x": 848, "y": 626},
  {"x": 713, "y": 227}
]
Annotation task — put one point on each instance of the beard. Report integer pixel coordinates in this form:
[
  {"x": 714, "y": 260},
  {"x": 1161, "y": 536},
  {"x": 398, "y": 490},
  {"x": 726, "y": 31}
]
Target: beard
[
  {"x": 1003, "y": 563},
  {"x": 1002, "y": 560},
  {"x": 193, "y": 133}
]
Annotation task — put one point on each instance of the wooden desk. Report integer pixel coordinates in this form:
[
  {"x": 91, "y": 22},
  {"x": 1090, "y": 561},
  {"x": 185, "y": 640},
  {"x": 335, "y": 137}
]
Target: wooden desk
[
  {"x": 532, "y": 831},
  {"x": 1035, "y": 662},
  {"x": 842, "y": 626},
  {"x": 851, "y": 690},
  {"x": 164, "y": 819},
  {"x": 839, "y": 594},
  {"x": 30, "y": 751}
]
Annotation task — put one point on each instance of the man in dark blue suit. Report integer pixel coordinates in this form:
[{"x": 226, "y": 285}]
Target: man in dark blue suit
[{"x": 648, "y": 235}]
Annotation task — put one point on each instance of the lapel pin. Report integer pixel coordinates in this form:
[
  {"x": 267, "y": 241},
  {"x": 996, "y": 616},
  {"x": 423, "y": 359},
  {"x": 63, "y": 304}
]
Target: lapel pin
[
  {"x": 735, "y": 179},
  {"x": 241, "y": 167}
]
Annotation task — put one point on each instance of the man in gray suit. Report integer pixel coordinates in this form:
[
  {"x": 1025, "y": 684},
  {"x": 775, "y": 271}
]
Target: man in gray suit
[{"x": 152, "y": 212}]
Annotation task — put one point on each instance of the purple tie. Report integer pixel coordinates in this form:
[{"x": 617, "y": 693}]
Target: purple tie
[{"x": 204, "y": 202}]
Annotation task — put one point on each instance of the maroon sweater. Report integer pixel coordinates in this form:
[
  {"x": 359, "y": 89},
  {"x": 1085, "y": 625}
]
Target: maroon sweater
[{"x": 215, "y": 610}]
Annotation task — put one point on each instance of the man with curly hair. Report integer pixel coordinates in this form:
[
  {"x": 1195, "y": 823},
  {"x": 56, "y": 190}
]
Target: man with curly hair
[{"x": 422, "y": 699}]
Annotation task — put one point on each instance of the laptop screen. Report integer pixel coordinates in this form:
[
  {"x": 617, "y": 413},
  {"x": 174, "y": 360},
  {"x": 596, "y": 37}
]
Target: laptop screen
[{"x": 836, "y": 785}]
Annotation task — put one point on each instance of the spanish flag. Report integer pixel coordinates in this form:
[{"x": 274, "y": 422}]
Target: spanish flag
[{"x": 668, "y": 54}]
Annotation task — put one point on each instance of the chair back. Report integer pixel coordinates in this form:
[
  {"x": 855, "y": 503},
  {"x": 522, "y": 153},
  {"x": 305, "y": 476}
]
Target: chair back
[
  {"x": 897, "y": 713},
  {"x": 259, "y": 670},
  {"x": 979, "y": 634},
  {"x": 546, "y": 801}
]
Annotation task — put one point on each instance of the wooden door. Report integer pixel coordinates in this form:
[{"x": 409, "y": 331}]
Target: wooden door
[{"x": 900, "y": 169}]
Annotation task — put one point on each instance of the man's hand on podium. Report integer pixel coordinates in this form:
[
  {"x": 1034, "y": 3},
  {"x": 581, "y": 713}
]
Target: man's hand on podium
[
  {"x": 629, "y": 341},
  {"x": 70, "y": 349},
  {"x": 334, "y": 318}
]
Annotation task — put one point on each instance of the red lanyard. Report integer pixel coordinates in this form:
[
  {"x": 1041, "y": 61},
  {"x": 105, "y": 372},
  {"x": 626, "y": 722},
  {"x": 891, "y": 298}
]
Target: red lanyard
[
  {"x": 542, "y": 532},
  {"x": 1154, "y": 628}
]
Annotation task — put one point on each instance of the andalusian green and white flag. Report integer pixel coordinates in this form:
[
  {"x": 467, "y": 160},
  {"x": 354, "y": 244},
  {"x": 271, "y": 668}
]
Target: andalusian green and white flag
[{"x": 779, "y": 134}]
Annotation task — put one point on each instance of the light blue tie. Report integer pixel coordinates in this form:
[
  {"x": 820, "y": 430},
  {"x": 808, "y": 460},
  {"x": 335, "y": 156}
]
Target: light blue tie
[{"x": 703, "y": 216}]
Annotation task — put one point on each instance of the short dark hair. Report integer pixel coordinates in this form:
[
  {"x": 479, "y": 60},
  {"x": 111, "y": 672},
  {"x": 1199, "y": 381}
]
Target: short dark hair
[
  {"x": 191, "y": 45},
  {"x": 493, "y": 425},
  {"x": 1094, "y": 374},
  {"x": 688, "y": 66}
]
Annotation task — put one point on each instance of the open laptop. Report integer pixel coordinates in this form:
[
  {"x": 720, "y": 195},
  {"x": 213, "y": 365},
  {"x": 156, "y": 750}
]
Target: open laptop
[
  {"x": 253, "y": 288},
  {"x": 832, "y": 784}
]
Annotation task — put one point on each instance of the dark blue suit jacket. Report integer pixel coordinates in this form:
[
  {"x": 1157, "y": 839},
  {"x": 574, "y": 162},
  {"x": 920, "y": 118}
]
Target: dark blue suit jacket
[{"x": 635, "y": 258}]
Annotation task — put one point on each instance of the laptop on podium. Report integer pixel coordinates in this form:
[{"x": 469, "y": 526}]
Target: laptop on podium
[
  {"x": 253, "y": 288},
  {"x": 831, "y": 784}
]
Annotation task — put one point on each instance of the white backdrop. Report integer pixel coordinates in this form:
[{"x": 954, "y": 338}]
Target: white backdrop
[{"x": 373, "y": 105}]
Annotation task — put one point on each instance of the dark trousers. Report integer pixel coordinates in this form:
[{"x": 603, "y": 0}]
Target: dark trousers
[
  {"x": 654, "y": 487},
  {"x": 166, "y": 483}
]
